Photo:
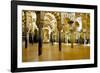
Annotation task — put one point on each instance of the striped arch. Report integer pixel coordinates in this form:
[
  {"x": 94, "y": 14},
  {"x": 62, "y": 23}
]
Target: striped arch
[{"x": 58, "y": 18}]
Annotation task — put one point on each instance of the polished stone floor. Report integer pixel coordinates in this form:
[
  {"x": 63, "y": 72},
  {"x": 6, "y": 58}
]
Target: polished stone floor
[{"x": 51, "y": 52}]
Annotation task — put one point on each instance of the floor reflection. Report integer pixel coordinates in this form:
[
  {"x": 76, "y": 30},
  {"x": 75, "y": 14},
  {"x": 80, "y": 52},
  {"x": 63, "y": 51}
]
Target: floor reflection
[{"x": 51, "y": 52}]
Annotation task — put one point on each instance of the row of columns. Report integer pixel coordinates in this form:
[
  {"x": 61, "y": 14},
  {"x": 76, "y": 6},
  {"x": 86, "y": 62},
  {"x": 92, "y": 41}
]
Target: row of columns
[{"x": 40, "y": 25}]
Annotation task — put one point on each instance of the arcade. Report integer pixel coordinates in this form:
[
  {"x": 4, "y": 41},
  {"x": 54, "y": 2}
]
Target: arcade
[{"x": 48, "y": 36}]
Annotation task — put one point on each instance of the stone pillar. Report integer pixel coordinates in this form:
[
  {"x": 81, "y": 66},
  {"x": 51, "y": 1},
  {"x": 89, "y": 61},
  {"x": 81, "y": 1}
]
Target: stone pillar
[
  {"x": 59, "y": 29},
  {"x": 84, "y": 31},
  {"x": 25, "y": 30},
  {"x": 40, "y": 28},
  {"x": 71, "y": 31}
]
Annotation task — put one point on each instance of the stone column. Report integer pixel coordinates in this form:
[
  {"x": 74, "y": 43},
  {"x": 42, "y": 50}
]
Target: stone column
[
  {"x": 71, "y": 31},
  {"x": 25, "y": 30},
  {"x": 40, "y": 28},
  {"x": 59, "y": 29},
  {"x": 84, "y": 31}
]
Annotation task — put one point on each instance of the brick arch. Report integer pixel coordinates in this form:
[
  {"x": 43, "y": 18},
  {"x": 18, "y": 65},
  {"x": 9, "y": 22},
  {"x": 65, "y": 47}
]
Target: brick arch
[
  {"x": 52, "y": 25},
  {"x": 58, "y": 18}
]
